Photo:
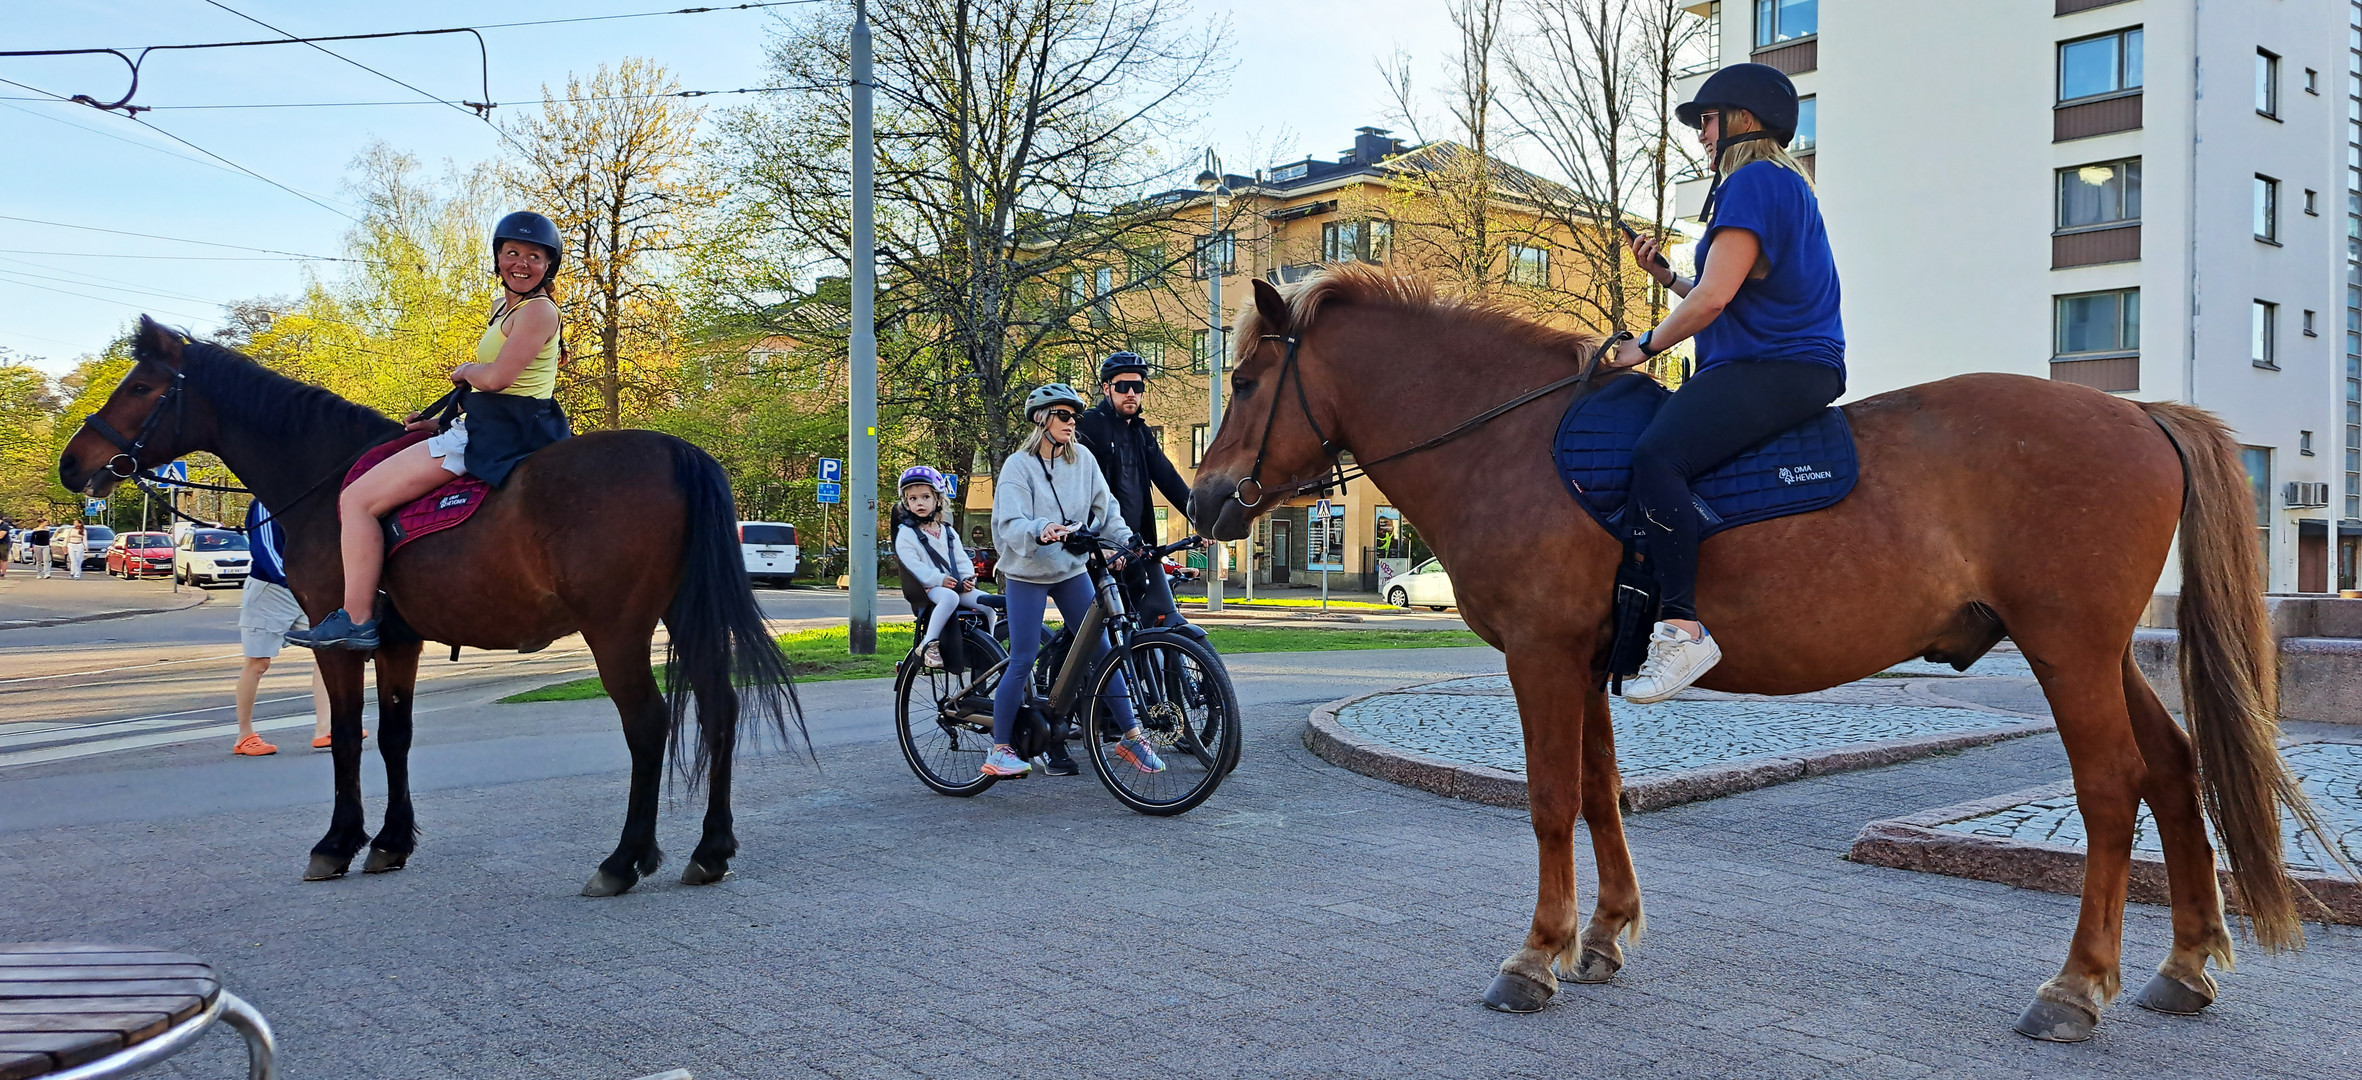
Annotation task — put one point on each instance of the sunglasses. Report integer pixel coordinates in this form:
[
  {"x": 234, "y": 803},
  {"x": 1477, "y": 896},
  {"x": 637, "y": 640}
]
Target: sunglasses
[
  {"x": 1129, "y": 386},
  {"x": 1064, "y": 416}
]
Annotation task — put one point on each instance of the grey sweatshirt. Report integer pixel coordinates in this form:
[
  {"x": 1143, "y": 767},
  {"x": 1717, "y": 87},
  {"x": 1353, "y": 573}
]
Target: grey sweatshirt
[{"x": 1024, "y": 503}]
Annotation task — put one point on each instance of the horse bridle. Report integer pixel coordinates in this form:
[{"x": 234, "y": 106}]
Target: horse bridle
[
  {"x": 1334, "y": 452},
  {"x": 125, "y": 465}
]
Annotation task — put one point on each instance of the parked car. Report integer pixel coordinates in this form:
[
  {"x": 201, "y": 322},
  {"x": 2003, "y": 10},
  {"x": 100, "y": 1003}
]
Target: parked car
[
  {"x": 1426, "y": 585},
  {"x": 210, "y": 557},
  {"x": 985, "y": 560},
  {"x": 771, "y": 551},
  {"x": 94, "y": 556},
  {"x": 136, "y": 555}
]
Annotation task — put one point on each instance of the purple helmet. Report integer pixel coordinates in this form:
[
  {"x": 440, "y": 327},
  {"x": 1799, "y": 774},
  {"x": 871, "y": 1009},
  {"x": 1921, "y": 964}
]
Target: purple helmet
[{"x": 922, "y": 474}]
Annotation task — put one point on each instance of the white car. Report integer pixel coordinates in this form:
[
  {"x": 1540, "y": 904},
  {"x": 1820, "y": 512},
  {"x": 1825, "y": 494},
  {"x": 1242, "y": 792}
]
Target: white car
[
  {"x": 210, "y": 557},
  {"x": 771, "y": 551},
  {"x": 1424, "y": 585}
]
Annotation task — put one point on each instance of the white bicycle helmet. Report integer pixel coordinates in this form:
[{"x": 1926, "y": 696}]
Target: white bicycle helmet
[{"x": 1049, "y": 394}]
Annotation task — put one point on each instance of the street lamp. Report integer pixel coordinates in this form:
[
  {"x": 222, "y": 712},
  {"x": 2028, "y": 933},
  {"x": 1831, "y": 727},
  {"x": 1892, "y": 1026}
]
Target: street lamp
[{"x": 1210, "y": 181}]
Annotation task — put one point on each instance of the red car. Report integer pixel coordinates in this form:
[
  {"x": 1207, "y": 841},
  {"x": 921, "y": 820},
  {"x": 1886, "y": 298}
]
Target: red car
[{"x": 136, "y": 555}]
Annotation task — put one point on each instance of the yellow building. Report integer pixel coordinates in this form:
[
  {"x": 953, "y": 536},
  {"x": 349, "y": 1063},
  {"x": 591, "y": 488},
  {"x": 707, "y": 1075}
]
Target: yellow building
[{"x": 1427, "y": 210}]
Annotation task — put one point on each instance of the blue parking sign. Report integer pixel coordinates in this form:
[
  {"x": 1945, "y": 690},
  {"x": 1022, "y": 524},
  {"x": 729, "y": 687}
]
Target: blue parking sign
[
  {"x": 832, "y": 471},
  {"x": 830, "y": 492}
]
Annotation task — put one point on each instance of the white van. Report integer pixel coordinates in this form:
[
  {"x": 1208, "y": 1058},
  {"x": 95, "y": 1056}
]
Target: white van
[{"x": 771, "y": 551}]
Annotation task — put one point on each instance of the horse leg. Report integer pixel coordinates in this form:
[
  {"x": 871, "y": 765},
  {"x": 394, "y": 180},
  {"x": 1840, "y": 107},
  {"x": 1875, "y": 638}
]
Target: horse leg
[
  {"x": 340, "y": 670},
  {"x": 397, "y": 683},
  {"x": 1617, "y": 912},
  {"x": 2087, "y": 699},
  {"x": 711, "y": 861},
  {"x": 1550, "y": 706},
  {"x": 2181, "y": 985},
  {"x": 624, "y": 670}
]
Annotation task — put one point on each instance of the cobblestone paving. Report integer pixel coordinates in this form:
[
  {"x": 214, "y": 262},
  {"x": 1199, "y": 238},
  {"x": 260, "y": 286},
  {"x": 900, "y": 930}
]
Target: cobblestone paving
[
  {"x": 2331, "y": 773},
  {"x": 1474, "y": 721}
]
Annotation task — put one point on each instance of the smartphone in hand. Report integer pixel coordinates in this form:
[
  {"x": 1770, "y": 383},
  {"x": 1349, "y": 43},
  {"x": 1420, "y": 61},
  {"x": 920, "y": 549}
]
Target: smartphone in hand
[{"x": 1659, "y": 260}]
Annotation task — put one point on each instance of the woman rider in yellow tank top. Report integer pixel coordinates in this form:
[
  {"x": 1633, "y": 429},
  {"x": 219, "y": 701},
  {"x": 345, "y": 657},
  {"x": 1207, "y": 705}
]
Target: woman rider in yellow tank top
[{"x": 510, "y": 414}]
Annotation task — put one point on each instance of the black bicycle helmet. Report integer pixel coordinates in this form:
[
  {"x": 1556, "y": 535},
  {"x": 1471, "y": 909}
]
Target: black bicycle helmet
[
  {"x": 1761, "y": 89},
  {"x": 1119, "y": 362},
  {"x": 532, "y": 228}
]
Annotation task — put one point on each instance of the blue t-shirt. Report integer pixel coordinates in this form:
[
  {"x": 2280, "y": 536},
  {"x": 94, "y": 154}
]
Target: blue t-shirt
[
  {"x": 266, "y": 543},
  {"x": 1791, "y": 312}
]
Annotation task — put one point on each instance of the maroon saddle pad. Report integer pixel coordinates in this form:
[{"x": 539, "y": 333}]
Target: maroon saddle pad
[{"x": 440, "y": 509}]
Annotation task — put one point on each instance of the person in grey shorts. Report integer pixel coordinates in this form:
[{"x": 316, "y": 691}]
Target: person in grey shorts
[{"x": 266, "y": 612}]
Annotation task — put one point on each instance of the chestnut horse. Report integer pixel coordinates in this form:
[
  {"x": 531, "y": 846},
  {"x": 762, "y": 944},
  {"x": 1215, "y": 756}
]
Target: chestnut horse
[
  {"x": 1988, "y": 505},
  {"x": 602, "y": 534}
]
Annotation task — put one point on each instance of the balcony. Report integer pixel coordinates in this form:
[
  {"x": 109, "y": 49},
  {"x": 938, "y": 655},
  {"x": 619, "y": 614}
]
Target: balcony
[
  {"x": 2084, "y": 119},
  {"x": 2114, "y": 374},
  {"x": 2093, "y": 246},
  {"x": 1791, "y": 57}
]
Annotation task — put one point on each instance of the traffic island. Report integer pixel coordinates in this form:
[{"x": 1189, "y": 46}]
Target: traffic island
[
  {"x": 1461, "y": 737},
  {"x": 2034, "y": 838}
]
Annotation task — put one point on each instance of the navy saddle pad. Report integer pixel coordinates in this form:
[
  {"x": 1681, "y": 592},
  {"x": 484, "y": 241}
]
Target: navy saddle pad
[{"x": 1804, "y": 468}]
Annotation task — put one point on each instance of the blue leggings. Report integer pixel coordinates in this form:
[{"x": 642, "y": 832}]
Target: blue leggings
[{"x": 1026, "y": 602}]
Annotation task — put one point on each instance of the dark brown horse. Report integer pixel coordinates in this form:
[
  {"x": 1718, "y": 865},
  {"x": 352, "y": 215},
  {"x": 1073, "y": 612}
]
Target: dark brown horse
[
  {"x": 1989, "y": 505},
  {"x": 604, "y": 534}
]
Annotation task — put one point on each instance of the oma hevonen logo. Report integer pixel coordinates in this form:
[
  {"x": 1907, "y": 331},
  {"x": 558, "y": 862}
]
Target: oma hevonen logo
[{"x": 1801, "y": 473}]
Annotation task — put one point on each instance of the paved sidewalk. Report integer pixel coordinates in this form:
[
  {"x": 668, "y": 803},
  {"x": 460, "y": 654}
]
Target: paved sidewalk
[
  {"x": 29, "y": 601},
  {"x": 1306, "y": 922}
]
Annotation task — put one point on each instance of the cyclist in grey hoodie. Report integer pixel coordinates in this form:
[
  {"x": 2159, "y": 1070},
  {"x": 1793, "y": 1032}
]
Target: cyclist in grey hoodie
[{"x": 1046, "y": 491}]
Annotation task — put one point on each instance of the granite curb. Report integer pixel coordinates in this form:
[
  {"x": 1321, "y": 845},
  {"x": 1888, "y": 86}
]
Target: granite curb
[
  {"x": 1919, "y": 842},
  {"x": 1332, "y": 743},
  {"x": 97, "y": 616}
]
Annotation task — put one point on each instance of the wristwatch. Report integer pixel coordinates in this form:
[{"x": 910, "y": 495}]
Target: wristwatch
[{"x": 1644, "y": 343}]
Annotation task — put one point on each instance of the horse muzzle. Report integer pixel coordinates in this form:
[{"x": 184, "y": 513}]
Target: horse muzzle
[{"x": 1215, "y": 510}]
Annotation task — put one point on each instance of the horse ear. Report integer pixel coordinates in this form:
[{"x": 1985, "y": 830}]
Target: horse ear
[
  {"x": 154, "y": 342},
  {"x": 1271, "y": 306}
]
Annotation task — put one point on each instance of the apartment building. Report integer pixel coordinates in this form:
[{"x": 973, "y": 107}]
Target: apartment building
[{"x": 2156, "y": 198}]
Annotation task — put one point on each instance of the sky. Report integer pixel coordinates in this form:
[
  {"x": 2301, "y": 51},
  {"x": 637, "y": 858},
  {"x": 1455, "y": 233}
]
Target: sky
[{"x": 1304, "y": 74}]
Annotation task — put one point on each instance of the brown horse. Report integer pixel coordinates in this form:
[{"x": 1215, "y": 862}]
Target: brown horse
[
  {"x": 1988, "y": 505},
  {"x": 602, "y": 534}
]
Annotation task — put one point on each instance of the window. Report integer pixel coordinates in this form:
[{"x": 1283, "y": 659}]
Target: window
[
  {"x": 2098, "y": 323},
  {"x": 1103, "y": 308},
  {"x": 2258, "y": 460},
  {"x": 1807, "y": 116},
  {"x": 2312, "y": 203},
  {"x": 1152, "y": 353},
  {"x": 2309, "y": 331},
  {"x": 1380, "y": 234},
  {"x": 1222, "y": 251},
  {"x": 1350, "y": 241},
  {"x": 1198, "y": 434},
  {"x": 1148, "y": 264},
  {"x": 2263, "y": 335},
  {"x": 1284, "y": 173},
  {"x": 1197, "y": 351},
  {"x": 1077, "y": 291},
  {"x": 2304, "y": 443},
  {"x": 2108, "y": 193},
  {"x": 1529, "y": 265},
  {"x": 1785, "y": 20},
  {"x": 2106, "y": 64},
  {"x": 2267, "y": 209},
  {"x": 2312, "y": 82},
  {"x": 2267, "y": 84}
]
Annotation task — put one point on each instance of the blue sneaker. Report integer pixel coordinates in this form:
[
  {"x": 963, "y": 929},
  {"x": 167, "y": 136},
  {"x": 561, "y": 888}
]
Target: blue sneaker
[
  {"x": 1004, "y": 762},
  {"x": 1142, "y": 755},
  {"x": 337, "y": 631}
]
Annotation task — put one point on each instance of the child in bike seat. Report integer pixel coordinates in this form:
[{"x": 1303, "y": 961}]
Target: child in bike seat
[{"x": 931, "y": 555}]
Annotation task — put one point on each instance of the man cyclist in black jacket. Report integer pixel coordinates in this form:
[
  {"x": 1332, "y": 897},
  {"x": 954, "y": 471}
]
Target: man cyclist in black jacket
[{"x": 1132, "y": 461}]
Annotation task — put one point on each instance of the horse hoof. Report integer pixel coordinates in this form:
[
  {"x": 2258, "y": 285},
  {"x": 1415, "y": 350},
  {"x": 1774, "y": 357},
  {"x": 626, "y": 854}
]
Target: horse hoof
[
  {"x": 382, "y": 861},
  {"x": 1515, "y": 993},
  {"x": 606, "y": 884},
  {"x": 2050, "y": 1021},
  {"x": 1597, "y": 967},
  {"x": 2169, "y": 995},
  {"x": 697, "y": 873},
  {"x": 326, "y": 868}
]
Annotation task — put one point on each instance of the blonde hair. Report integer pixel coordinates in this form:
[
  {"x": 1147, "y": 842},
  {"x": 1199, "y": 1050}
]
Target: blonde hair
[
  {"x": 942, "y": 514},
  {"x": 1033, "y": 444},
  {"x": 1741, "y": 155}
]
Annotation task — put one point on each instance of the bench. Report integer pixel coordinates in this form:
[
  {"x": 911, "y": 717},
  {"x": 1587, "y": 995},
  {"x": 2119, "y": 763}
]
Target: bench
[{"x": 78, "y": 1011}]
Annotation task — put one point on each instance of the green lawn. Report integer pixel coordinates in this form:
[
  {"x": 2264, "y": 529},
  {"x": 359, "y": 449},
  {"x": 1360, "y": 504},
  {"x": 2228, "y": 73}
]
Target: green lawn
[
  {"x": 820, "y": 656},
  {"x": 1291, "y": 602}
]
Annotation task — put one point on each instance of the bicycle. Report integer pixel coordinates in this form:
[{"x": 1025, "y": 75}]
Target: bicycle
[{"x": 1178, "y": 689}]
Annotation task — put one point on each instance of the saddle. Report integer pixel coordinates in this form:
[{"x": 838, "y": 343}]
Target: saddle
[
  {"x": 1805, "y": 468},
  {"x": 445, "y": 507}
]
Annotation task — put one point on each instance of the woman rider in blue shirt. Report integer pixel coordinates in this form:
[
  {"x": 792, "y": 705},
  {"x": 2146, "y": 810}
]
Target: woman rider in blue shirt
[{"x": 1770, "y": 353}]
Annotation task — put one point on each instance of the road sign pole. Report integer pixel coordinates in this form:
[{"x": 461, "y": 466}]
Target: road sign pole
[{"x": 861, "y": 511}]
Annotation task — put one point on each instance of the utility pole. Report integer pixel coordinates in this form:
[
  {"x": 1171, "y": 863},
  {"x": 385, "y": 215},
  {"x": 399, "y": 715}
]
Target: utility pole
[
  {"x": 861, "y": 481},
  {"x": 1216, "y": 192}
]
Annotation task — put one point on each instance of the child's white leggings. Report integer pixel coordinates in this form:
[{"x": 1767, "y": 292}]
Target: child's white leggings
[{"x": 946, "y": 604}]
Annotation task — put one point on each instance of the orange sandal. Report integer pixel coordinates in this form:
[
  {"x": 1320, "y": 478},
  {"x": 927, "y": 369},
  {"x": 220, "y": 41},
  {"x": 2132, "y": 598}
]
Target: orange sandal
[
  {"x": 253, "y": 746},
  {"x": 321, "y": 742}
]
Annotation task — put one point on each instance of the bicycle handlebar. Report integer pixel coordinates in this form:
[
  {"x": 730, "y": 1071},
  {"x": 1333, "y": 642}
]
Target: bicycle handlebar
[{"x": 1084, "y": 542}]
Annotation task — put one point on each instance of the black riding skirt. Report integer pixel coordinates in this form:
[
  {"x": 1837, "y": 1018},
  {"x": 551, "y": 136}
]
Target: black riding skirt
[{"x": 503, "y": 428}]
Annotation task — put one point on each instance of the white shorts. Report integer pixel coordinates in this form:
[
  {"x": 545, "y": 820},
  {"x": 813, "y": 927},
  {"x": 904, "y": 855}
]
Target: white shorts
[
  {"x": 451, "y": 446},
  {"x": 265, "y": 613}
]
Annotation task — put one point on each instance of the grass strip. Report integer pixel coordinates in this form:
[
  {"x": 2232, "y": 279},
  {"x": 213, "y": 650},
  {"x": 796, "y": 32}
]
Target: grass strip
[
  {"x": 1289, "y": 602},
  {"x": 820, "y": 656}
]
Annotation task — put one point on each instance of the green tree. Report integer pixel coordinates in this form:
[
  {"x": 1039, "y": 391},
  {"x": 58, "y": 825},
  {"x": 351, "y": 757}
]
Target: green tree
[{"x": 29, "y": 405}]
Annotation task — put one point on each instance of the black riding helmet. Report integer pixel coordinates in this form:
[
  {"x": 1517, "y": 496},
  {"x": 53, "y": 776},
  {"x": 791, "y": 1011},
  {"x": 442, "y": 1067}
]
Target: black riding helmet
[
  {"x": 531, "y": 228},
  {"x": 1119, "y": 362},
  {"x": 1761, "y": 89}
]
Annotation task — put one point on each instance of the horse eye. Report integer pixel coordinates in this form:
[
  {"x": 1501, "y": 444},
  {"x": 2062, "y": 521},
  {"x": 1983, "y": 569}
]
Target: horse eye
[{"x": 139, "y": 388}]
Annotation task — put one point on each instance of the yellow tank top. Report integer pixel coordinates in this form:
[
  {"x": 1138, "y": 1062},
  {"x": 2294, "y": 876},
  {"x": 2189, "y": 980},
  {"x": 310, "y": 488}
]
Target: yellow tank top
[{"x": 540, "y": 378}]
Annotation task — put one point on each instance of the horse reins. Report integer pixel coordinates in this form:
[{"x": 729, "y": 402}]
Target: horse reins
[{"x": 1334, "y": 452}]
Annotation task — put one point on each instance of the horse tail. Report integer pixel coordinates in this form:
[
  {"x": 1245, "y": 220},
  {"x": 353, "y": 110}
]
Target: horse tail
[
  {"x": 720, "y": 652},
  {"x": 2229, "y": 671}
]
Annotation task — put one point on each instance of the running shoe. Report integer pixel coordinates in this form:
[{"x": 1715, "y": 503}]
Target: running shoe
[
  {"x": 1142, "y": 755},
  {"x": 1059, "y": 762},
  {"x": 253, "y": 746},
  {"x": 1004, "y": 762},
  {"x": 337, "y": 631}
]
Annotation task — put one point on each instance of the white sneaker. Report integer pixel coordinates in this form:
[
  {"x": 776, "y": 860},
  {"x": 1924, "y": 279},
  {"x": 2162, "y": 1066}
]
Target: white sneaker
[{"x": 1675, "y": 660}]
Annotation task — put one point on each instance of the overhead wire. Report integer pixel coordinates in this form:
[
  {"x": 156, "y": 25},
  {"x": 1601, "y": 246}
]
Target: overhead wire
[
  {"x": 174, "y": 239},
  {"x": 554, "y": 101}
]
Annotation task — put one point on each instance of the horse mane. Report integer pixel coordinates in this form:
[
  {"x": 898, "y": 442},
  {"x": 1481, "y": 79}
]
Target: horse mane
[
  {"x": 245, "y": 392},
  {"x": 1357, "y": 283}
]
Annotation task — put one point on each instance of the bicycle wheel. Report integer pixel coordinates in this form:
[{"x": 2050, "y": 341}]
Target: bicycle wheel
[
  {"x": 943, "y": 739},
  {"x": 1183, "y": 701}
]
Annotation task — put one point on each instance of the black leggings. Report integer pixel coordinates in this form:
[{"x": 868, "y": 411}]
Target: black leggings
[{"x": 1716, "y": 415}]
